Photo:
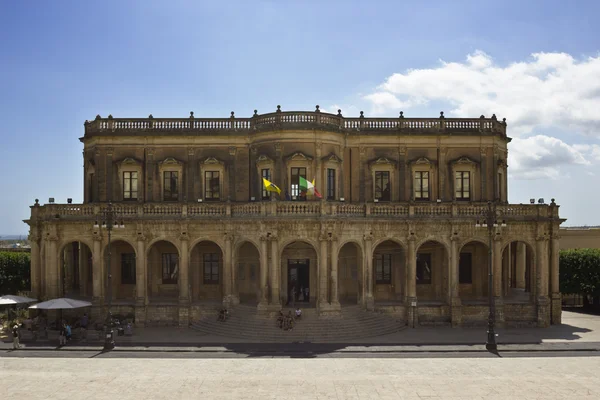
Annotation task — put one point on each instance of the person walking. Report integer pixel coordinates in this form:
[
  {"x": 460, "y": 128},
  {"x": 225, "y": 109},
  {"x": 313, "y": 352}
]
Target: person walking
[
  {"x": 62, "y": 335},
  {"x": 83, "y": 323},
  {"x": 15, "y": 333}
]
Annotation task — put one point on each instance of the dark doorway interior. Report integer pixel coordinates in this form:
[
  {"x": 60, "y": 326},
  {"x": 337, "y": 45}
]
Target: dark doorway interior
[{"x": 298, "y": 281}]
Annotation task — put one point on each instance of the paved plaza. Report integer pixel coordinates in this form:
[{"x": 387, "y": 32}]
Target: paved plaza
[{"x": 301, "y": 378}]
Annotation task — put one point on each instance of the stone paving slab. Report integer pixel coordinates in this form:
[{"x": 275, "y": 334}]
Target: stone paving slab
[{"x": 306, "y": 379}]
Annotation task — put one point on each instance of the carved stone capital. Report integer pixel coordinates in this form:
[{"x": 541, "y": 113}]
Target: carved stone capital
[
  {"x": 184, "y": 237},
  {"x": 368, "y": 237},
  {"x": 228, "y": 237},
  {"x": 402, "y": 150},
  {"x": 278, "y": 147},
  {"x": 97, "y": 237},
  {"x": 232, "y": 151},
  {"x": 141, "y": 237},
  {"x": 191, "y": 151}
]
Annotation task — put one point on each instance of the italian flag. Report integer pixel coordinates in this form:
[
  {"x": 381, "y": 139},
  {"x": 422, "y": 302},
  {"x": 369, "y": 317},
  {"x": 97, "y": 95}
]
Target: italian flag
[{"x": 309, "y": 187}]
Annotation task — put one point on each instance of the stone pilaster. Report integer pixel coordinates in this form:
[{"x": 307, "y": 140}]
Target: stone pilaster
[
  {"x": 227, "y": 271},
  {"x": 141, "y": 298},
  {"x": 541, "y": 280},
  {"x": 36, "y": 268},
  {"x": 554, "y": 281},
  {"x": 190, "y": 176},
  {"x": 453, "y": 293},
  {"x": 149, "y": 175},
  {"x": 323, "y": 284},
  {"x": 521, "y": 261},
  {"x": 52, "y": 273},
  {"x": 335, "y": 302},
  {"x": 412, "y": 315},
  {"x": 362, "y": 173},
  {"x": 264, "y": 273},
  {"x": 109, "y": 174},
  {"x": 275, "y": 267},
  {"x": 483, "y": 174},
  {"x": 402, "y": 178},
  {"x": 369, "y": 300},
  {"x": 497, "y": 282},
  {"x": 97, "y": 272}
]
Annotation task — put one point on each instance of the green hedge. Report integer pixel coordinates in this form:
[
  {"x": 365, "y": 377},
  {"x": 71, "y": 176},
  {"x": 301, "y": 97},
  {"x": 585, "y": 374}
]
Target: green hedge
[
  {"x": 580, "y": 272},
  {"x": 15, "y": 272}
]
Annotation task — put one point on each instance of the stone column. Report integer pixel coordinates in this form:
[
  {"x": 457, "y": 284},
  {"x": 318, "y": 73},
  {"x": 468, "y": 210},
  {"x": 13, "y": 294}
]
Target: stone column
[
  {"x": 227, "y": 272},
  {"x": 556, "y": 303},
  {"x": 497, "y": 282},
  {"x": 335, "y": 301},
  {"x": 109, "y": 174},
  {"x": 506, "y": 264},
  {"x": 453, "y": 292},
  {"x": 264, "y": 272},
  {"x": 402, "y": 193},
  {"x": 521, "y": 265},
  {"x": 52, "y": 275},
  {"x": 368, "y": 279},
  {"x": 81, "y": 265},
  {"x": 443, "y": 174},
  {"x": 275, "y": 267},
  {"x": 541, "y": 280},
  {"x": 65, "y": 270},
  {"x": 412, "y": 314},
  {"x": 183, "y": 281},
  {"x": 483, "y": 174},
  {"x": 141, "y": 298},
  {"x": 362, "y": 173},
  {"x": 149, "y": 175},
  {"x": 97, "y": 272},
  {"x": 323, "y": 284},
  {"x": 36, "y": 281}
]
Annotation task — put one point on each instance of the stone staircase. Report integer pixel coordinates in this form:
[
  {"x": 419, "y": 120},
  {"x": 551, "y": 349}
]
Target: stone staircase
[{"x": 353, "y": 323}]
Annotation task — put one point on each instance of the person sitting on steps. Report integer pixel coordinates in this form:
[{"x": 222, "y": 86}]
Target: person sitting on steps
[
  {"x": 298, "y": 313},
  {"x": 222, "y": 315}
]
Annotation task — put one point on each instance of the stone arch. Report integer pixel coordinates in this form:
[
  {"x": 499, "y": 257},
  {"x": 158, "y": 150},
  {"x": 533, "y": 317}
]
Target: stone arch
[
  {"x": 163, "y": 259},
  {"x": 473, "y": 265},
  {"x": 391, "y": 239},
  {"x": 197, "y": 240},
  {"x": 431, "y": 238},
  {"x": 389, "y": 268},
  {"x": 246, "y": 271},
  {"x": 118, "y": 239},
  {"x": 433, "y": 265},
  {"x": 243, "y": 240},
  {"x": 206, "y": 271},
  {"x": 162, "y": 239},
  {"x": 350, "y": 275},
  {"x": 283, "y": 244},
  {"x": 519, "y": 263},
  {"x": 75, "y": 268},
  {"x": 299, "y": 271},
  {"x": 123, "y": 269},
  {"x": 470, "y": 240}
]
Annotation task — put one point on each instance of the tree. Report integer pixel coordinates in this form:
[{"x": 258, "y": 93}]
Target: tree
[
  {"x": 580, "y": 272},
  {"x": 15, "y": 272}
]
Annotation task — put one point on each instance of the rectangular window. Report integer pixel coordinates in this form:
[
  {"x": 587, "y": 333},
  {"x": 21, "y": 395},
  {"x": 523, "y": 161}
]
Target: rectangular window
[
  {"x": 383, "y": 268},
  {"x": 130, "y": 185},
  {"x": 170, "y": 268},
  {"x": 170, "y": 189},
  {"x": 265, "y": 173},
  {"x": 422, "y": 185},
  {"x": 423, "y": 268},
  {"x": 211, "y": 268},
  {"x": 330, "y": 184},
  {"x": 212, "y": 189},
  {"x": 297, "y": 193},
  {"x": 465, "y": 268},
  {"x": 128, "y": 268},
  {"x": 382, "y": 185},
  {"x": 463, "y": 185}
]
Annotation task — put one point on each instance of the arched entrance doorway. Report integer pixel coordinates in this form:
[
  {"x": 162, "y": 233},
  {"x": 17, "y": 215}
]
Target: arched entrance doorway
[
  {"x": 389, "y": 272},
  {"x": 299, "y": 276},
  {"x": 473, "y": 269},
  {"x": 123, "y": 271},
  {"x": 75, "y": 270},
  {"x": 163, "y": 272},
  {"x": 432, "y": 272},
  {"x": 206, "y": 272},
  {"x": 518, "y": 279},
  {"x": 247, "y": 273},
  {"x": 350, "y": 275}
]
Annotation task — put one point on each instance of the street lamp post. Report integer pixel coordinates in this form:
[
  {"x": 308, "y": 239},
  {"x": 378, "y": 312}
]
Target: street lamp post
[
  {"x": 490, "y": 221},
  {"x": 109, "y": 221}
]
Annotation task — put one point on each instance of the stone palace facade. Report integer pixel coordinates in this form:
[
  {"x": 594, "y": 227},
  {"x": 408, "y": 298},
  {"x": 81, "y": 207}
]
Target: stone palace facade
[{"x": 396, "y": 229}]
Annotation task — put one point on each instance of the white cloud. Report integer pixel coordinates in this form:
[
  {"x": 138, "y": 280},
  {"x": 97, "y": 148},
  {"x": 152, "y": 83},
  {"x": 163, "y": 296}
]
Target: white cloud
[
  {"x": 591, "y": 150},
  {"x": 548, "y": 90},
  {"x": 540, "y": 156}
]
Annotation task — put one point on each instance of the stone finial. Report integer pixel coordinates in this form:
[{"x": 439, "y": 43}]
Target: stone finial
[
  {"x": 494, "y": 117},
  {"x": 339, "y": 112},
  {"x": 150, "y": 116},
  {"x": 362, "y": 114},
  {"x": 232, "y": 114},
  {"x": 110, "y": 116},
  {"x": 504, "y": 121},
  {"x": 552, "y": 202},
  {"x": 98, "y": 117},
  {"x": 278, "y": 108},
  {"x": 482, "y": 116},
  {"x": 442, "y": 115},
  {"x": 255, "y": 113},
  {"x": 86, "y": 122},
  {"x": 401, "y": 114},
  {"x": 191, "y": 114},
  {"x": 317, "y": 108},
  {"x": 37, "y": 202}
]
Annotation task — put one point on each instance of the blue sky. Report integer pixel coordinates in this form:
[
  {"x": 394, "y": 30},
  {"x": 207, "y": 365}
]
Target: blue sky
[{"x": 64, "y": 62}]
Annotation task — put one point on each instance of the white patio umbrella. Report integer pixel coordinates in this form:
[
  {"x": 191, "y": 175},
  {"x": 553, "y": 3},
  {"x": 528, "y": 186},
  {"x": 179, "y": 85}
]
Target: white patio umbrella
[
  {"x": 10, "y": 299},
  {"x": 62, "y": 303}
]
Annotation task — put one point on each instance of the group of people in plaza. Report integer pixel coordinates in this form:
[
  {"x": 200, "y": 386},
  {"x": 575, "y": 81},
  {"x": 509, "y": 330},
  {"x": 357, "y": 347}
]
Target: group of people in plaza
[
  {"x": 65, "y": 329},
  {"x": 287, "y": 322}
]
